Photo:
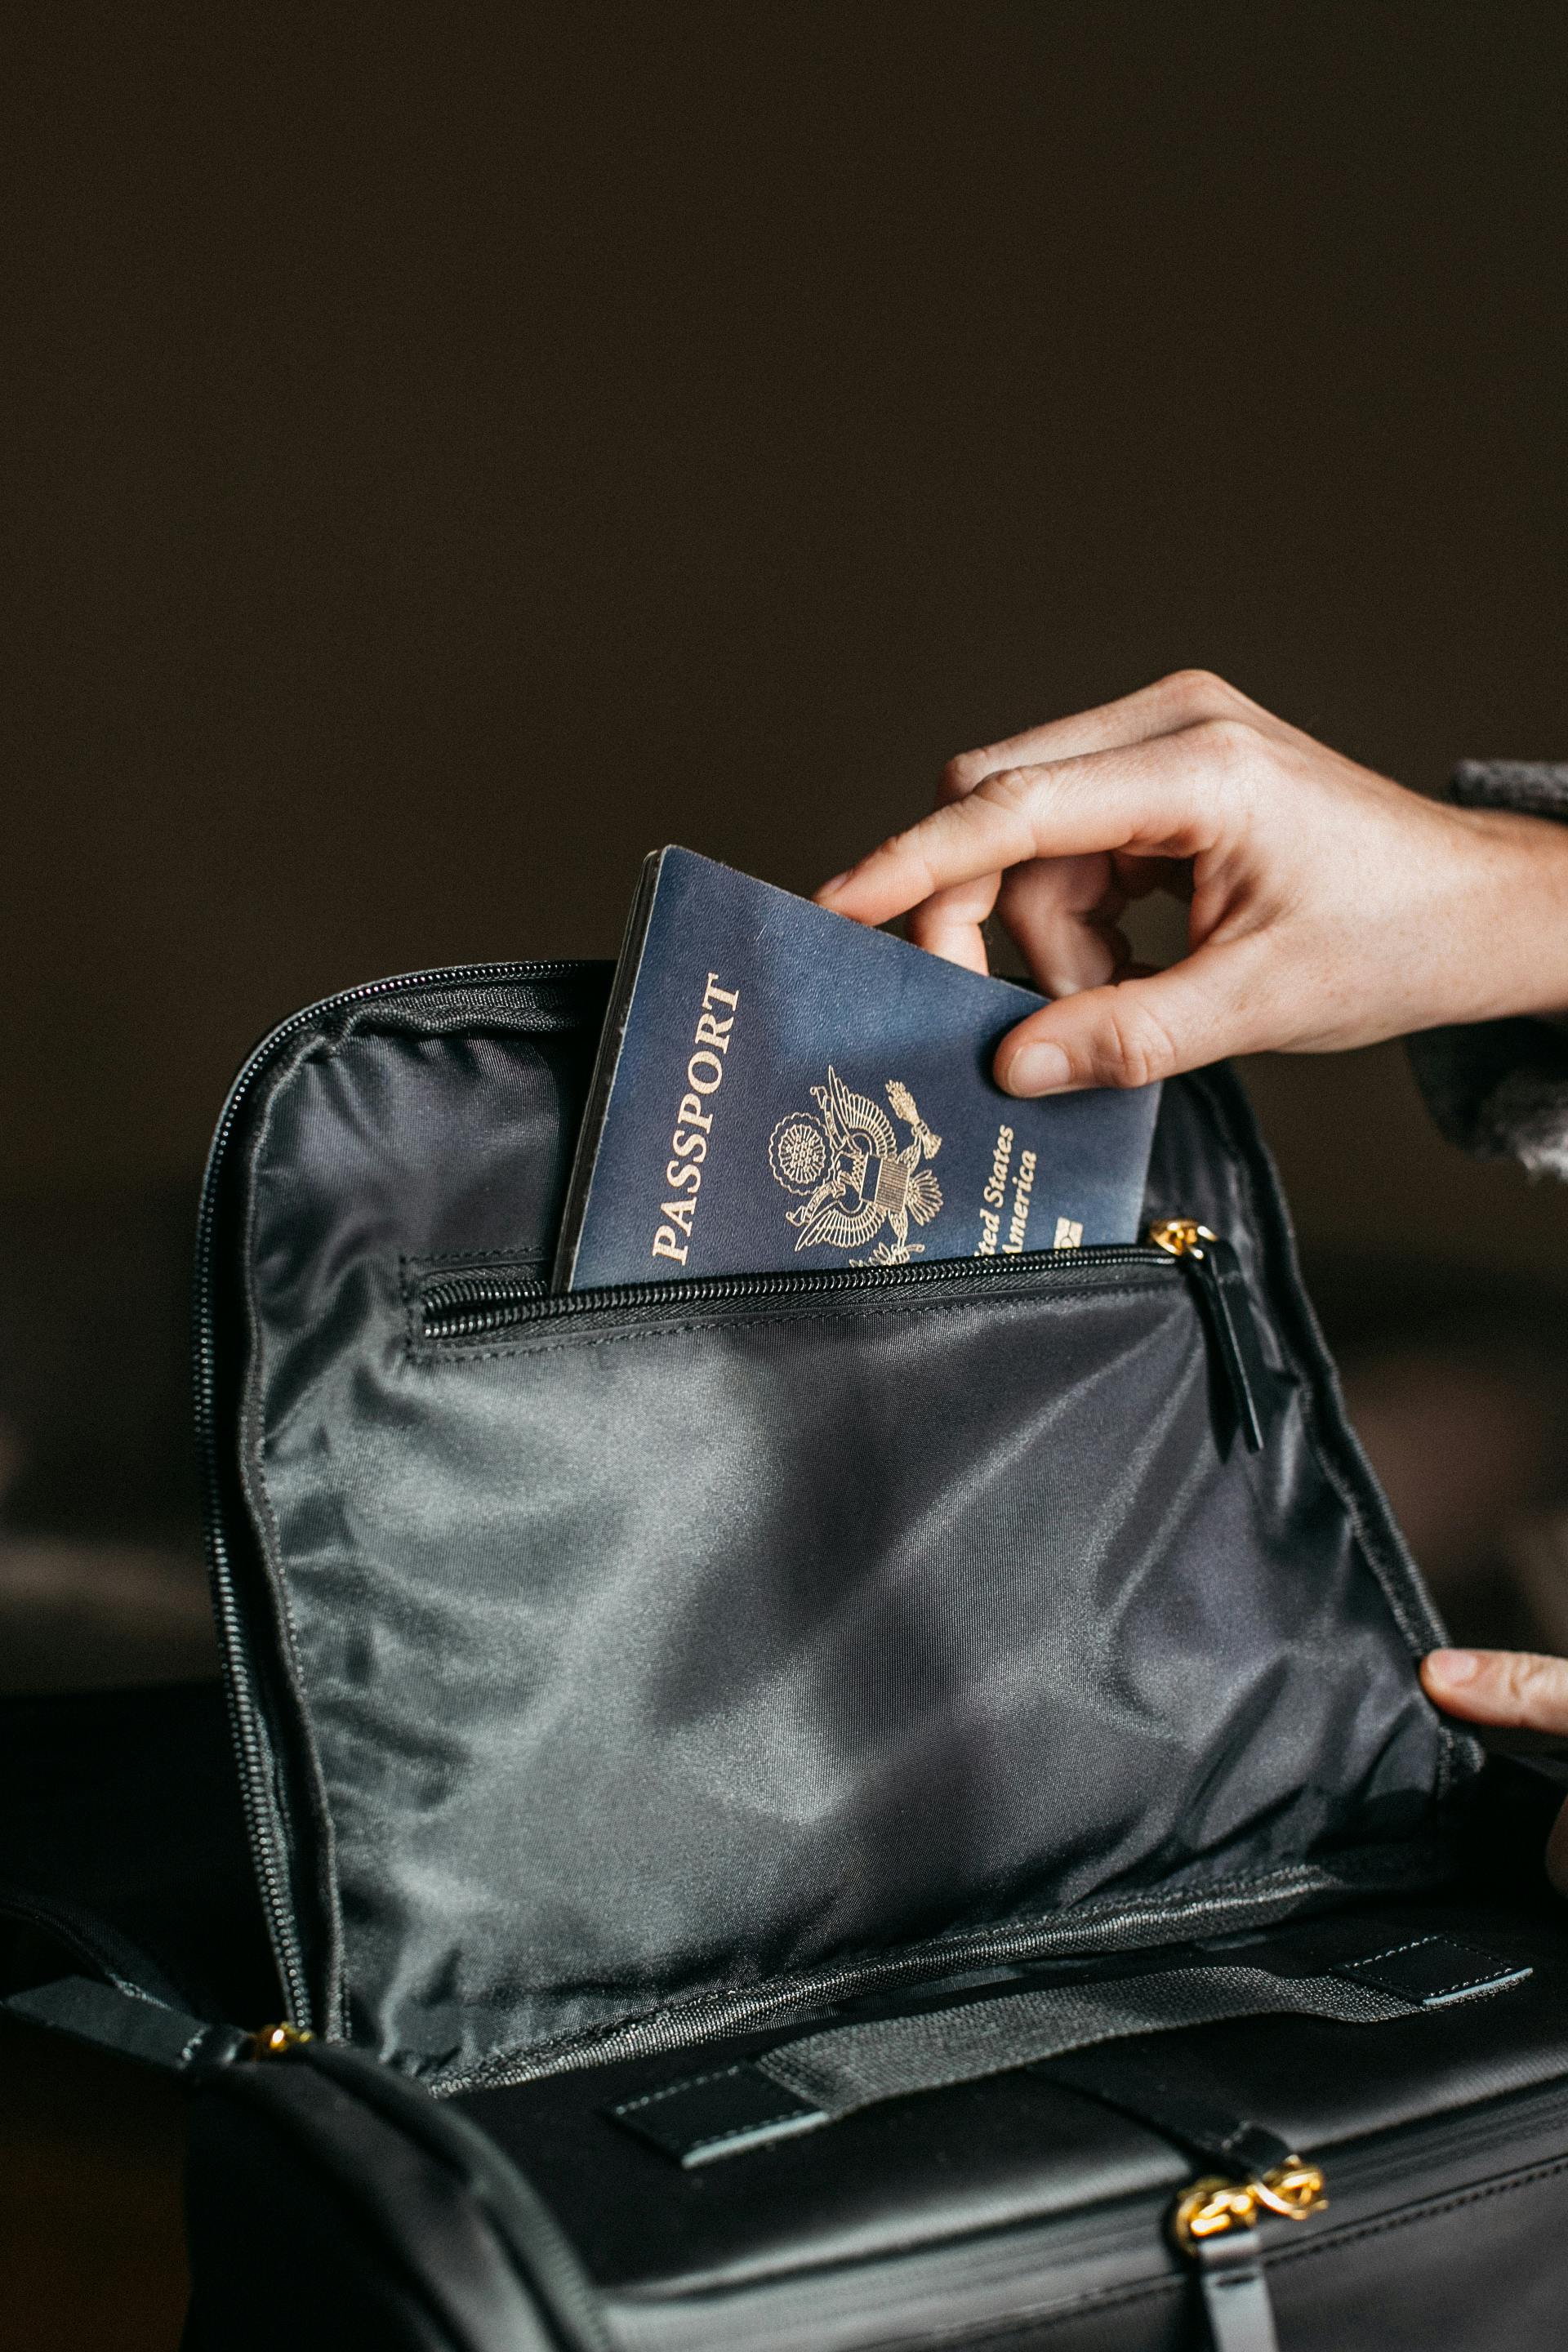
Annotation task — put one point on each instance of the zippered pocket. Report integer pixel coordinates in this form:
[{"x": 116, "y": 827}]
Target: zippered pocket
[
  {"x": 465, "y": 1306},
  {"x": 665, "y": 1644}
]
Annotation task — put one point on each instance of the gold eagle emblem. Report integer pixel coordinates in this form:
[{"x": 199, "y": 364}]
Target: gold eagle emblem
[{"x": 851, "y": 1175}]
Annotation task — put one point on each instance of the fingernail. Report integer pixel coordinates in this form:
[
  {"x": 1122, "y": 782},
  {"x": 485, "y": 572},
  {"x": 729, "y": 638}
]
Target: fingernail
[
  {"x": 1036, "y": 1070},
  {"x": 838, "y": 883},
  {"x": 1453, "y": 1665}
]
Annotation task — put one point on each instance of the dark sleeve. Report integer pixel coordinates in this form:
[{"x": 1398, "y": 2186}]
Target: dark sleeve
[{"x": 1499, "y": 1089}]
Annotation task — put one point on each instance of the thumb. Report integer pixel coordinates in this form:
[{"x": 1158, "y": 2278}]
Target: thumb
[
  {"x": 1133, "y": 1032},
  {"x": 1518, "y": 1689}
]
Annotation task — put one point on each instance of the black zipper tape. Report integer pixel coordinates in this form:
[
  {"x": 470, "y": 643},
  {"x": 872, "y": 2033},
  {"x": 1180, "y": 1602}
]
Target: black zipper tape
[
  {"x": 253, "y": 1746},
  {"x": 476, "y": 1304}
]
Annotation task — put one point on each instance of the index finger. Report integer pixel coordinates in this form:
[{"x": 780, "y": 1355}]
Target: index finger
[
  {"x": 1169, "y": 707},
  {"x": 1152, "y": 797}
]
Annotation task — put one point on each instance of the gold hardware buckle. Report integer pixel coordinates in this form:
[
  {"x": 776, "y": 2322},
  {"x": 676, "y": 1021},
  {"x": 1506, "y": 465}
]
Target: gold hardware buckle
[
  {"x": 1292, "y": 2188},
  {"x": 1212, "y": 2206}
]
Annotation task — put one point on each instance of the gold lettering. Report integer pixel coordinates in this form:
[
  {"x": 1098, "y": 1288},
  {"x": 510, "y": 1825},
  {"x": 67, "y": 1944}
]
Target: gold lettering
[
  {"x": 1023, "y": 1189},
  {"x": 693, "y": 1124}
]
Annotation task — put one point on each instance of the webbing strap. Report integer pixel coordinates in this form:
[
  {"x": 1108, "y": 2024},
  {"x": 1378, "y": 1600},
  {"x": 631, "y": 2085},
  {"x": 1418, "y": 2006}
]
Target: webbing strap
[
  {"x": 1203, "y": 2126},
  {"x": 807, "y": 2084}
]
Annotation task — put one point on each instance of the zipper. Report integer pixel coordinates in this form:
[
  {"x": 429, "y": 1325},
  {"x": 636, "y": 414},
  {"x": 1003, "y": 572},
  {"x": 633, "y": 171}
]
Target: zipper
[
  {"x": 267, "y": 1849},
  {"x": 473, "y": 1306},
  {"x": 488, "y": 1303}
]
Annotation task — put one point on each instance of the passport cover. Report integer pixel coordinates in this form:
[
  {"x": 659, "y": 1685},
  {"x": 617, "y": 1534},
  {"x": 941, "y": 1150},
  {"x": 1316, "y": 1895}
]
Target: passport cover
[{"x": 779, "y": 1087}]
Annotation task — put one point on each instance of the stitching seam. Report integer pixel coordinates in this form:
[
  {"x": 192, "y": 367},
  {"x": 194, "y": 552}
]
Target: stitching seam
[
  {"x": 1455, "y": 1984},
  {"x": 747, "y": 2131},
  {"x": 678, "y": 2090}
]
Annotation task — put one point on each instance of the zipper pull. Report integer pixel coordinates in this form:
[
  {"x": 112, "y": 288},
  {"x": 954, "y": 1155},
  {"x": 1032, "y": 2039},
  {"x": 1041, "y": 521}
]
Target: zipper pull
[
  {"x": 276, "y": 2040},
  {"x": 1215, "y": 1268},
  {"x": 1215, "y": 2226}
]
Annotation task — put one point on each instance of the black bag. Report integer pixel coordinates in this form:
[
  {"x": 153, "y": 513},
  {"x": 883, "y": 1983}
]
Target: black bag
[{"x": 843, "y": 1809}]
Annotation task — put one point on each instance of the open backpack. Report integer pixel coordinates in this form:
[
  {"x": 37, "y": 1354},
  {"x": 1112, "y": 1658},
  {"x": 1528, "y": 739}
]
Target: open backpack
[{"x": 822, "y": 1811}]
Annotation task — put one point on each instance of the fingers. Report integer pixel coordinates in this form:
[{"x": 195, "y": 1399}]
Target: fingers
[
  {"x": 1520, "y": 1691},
  {"x": 1185, "y": 699},
  {"x": 1166, "y": 798},
  {"x": 1070, "y": 956},
  {"x": 948, "y": 922},
  {"x": 1517, "y": 1689},
  {"x": 1136, "y": 1032},
  {"x": 1062, "y": 913}
]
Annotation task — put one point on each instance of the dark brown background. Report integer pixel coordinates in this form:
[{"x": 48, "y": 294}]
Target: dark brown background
[{"x": 449, "y": 451}]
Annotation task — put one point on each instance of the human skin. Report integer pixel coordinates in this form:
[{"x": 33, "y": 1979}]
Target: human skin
[
  {"x": 1328, "y": 908},
  {"x": 1516, "y": 1689}
]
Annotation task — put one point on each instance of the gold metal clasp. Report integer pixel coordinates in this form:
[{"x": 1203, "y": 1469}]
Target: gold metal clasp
[
  {"x": 276, "y": 2040},
  {"x": 1211, "y": 2207},
  {"x": 1180, "y": 1236},
  {"x": 1293, "y": 2188}
]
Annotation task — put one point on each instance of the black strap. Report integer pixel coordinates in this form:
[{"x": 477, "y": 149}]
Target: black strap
[
  {"x": 1201, "y": 2126},
  {"x": 1214, "y": 1266},
  {"x": 1236, "y": 2292},
  {"x": 807, "y": 2084},
  {"x": 133, "y": 2024}
]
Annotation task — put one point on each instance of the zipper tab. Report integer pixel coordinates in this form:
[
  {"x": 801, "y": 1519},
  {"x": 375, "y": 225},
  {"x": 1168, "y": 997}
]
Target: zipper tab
[
  {"x": 1215, "y": 2226},
  {"x": 1217, "y": 1270}
]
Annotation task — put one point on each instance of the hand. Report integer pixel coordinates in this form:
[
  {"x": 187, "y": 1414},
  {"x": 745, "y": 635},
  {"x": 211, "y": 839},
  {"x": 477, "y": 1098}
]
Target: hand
[
  {"x": 1517, "y": 1690},
  {"x": 1329, "y": 908}
]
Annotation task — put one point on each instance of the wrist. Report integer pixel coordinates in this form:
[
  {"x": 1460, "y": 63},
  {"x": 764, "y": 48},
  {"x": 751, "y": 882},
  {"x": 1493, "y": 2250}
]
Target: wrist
[{"x": 1506, "y": 934}]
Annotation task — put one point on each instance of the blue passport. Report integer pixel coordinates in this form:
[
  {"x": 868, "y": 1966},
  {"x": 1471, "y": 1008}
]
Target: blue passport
[{"x": 778, "y": 1087}]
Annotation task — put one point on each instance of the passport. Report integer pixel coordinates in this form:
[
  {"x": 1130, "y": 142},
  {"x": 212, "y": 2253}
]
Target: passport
[{"x": 778, "y": 1087}]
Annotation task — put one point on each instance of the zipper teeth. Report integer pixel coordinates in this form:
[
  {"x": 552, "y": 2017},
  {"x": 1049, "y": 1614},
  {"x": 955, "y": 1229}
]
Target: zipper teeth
[
  {"x": 469, "y": 1305},
  {"x": 248, "y": 1736}
]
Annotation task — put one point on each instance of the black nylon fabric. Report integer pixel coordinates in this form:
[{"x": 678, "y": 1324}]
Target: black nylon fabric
[
  {"x": 854, "y": 2066},
  {"x": 640, "y": 1662}
]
